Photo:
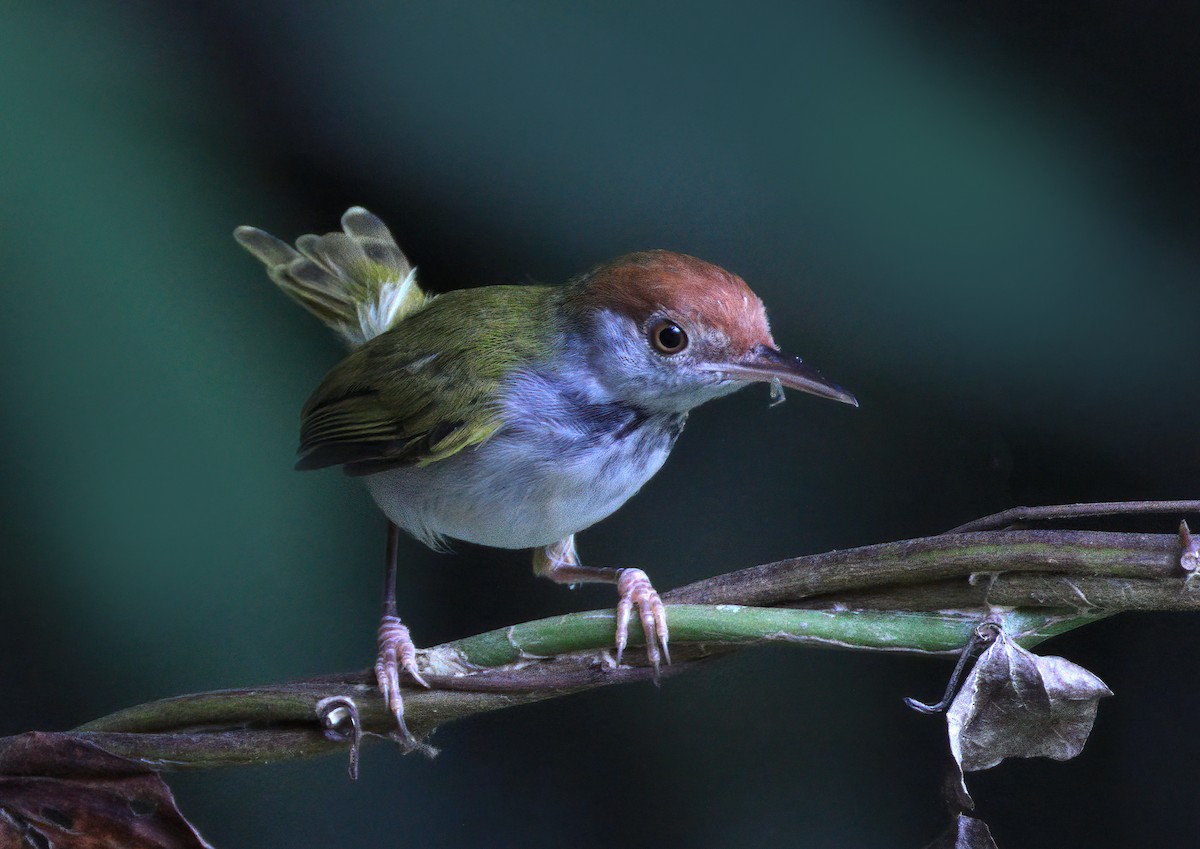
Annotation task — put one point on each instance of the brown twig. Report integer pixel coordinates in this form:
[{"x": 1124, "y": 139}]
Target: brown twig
[
  {"x": 1012, "y": 516},
  {"x": 929, "y": 560}
]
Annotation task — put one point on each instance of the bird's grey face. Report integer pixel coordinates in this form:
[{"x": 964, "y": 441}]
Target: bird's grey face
[
  {"x": 663, "y": 363},
  {"x": 671, "y": 363},
  {"x": 667, "y": 332}
]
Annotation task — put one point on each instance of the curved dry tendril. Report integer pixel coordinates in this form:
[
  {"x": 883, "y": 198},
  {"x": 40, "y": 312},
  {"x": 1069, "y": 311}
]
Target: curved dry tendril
[
  {"x": 341, "y": 724},
  {"x": 983, "y": 635}
]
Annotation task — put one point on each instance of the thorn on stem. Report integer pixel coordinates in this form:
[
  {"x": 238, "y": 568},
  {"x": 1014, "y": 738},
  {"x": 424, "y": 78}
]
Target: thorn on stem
[{"x": 1189, "y": 558}]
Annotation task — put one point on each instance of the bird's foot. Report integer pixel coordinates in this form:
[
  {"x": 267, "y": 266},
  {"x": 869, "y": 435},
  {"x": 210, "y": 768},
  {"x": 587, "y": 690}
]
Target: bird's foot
[
  {"x": 636, "y": 591},
  {"x": 396, "y": 652},
  {"x": 560, "y": 563}
]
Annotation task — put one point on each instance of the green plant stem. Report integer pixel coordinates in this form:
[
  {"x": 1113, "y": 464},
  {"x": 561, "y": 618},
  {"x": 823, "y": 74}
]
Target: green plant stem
[
  {"x": 731, "y": 625},
  {"x": 263, "y": 724},
  {"x": 922, "y": 596}
]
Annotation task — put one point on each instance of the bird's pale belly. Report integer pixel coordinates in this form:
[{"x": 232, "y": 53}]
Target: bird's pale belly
[{"x": 518, "y": 490}]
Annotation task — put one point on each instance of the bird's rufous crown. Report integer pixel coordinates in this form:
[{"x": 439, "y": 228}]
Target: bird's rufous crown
[{"x": 659, "y": 282}]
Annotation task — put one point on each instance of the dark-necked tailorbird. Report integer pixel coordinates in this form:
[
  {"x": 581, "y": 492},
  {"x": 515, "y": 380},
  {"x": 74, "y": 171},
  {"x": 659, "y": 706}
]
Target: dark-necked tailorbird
[{"x": 516, "y": 416}]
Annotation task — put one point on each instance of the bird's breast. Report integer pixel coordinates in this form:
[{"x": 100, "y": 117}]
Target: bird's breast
[{"x": 558, "y": 465}]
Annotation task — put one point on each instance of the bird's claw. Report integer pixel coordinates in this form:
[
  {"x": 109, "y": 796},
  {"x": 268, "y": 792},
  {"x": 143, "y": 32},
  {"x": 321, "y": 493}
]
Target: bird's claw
[
  {"x": 396, "y": 652},
  {"x": 635, "y": 590}
]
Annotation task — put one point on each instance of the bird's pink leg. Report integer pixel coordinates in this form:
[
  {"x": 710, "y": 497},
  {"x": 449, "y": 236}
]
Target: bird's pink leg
[
  {"x": 396, "y": 649},
  {"x": 560, "y": 563}
]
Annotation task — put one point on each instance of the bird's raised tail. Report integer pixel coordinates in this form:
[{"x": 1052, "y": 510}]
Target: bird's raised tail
[{"x": 358, "y": 281}]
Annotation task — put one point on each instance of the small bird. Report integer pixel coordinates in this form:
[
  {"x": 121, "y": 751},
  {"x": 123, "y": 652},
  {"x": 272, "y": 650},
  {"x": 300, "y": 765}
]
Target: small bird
[{"x": 516, "y": 416}]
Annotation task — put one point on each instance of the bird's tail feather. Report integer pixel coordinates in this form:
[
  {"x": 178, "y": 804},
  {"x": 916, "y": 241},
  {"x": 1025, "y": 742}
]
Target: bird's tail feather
[{"x": 357, "y": 281}]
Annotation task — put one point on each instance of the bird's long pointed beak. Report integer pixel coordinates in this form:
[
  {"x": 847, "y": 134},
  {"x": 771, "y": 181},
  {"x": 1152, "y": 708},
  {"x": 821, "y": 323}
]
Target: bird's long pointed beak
[{"x": 766, "y": 364}]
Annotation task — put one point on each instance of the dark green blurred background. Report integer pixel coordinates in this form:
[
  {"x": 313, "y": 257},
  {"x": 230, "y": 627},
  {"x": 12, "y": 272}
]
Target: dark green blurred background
[{"x": 982, "y": 218}]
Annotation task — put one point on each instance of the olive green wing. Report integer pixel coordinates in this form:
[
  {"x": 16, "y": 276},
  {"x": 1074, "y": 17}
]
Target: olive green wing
[
  {"x": 426, "y": 389},
  {"x": 368, "y": 425}
]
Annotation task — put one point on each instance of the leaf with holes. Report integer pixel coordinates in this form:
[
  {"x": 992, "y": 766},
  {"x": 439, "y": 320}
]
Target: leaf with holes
[{"x": 64, "y": 791}]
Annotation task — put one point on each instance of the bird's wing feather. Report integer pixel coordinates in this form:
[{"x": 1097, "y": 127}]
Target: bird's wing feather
[
  {"x": 411, "y": 422},
  {"x": 395, "y": 403}
]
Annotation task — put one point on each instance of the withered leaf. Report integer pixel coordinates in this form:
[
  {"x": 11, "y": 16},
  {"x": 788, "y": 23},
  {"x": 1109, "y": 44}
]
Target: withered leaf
[
  {"x": 64, "y": 791},
  {"x": 1015, "y": 704},
  {"x": 965, "y": 833}
]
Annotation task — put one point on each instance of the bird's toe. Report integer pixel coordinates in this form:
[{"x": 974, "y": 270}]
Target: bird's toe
[{"x": 636, "y": 591}]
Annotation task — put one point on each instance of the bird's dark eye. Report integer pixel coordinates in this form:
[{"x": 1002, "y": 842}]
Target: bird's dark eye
[{"x": 667, "y": 337}]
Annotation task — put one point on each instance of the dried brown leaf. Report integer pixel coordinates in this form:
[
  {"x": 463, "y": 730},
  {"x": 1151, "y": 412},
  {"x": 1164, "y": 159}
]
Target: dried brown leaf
[
  {"x": 61, "y": 790},
  {"x": 1015, "y": 704}
]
